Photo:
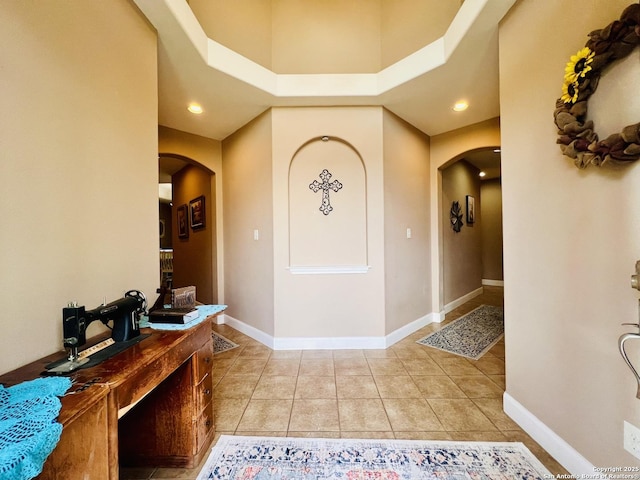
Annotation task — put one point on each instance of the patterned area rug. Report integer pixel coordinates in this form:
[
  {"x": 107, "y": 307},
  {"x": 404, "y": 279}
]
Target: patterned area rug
[
  {"x": 471, "y": 335},
  {"x": 263, "y": 458},
  {"x": 221, "y": 344}
]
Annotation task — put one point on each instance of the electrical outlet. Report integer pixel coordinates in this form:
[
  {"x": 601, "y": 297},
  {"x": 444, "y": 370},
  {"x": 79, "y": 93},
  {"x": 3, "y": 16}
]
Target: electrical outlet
[{"x": 632, "y": 439}]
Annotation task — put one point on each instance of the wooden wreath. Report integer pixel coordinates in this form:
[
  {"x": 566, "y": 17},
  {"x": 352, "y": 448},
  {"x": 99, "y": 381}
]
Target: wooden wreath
[{"x": 576, "y": 135}]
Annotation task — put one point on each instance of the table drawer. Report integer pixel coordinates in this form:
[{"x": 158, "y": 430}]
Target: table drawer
[
  {"x": 204, "y": 427},
  {"x": 204, "y": 361},
  {"x": 204, "y": 392}
]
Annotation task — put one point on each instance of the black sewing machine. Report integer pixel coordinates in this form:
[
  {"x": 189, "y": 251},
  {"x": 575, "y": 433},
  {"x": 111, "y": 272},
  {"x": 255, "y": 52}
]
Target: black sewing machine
[{"x": 125, "y": 315}]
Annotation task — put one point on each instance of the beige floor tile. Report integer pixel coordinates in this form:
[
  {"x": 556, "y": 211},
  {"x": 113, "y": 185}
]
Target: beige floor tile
[
  {"x": 282, "y": 366},
  {"x": 362, "y": 386},
  {"x": 379, "y": 353},
  {"x": 460, "y": 415},
  {"x": 266, "y": 415},
  {"x": 457, "y": 366},
  {"x": 351, "y": 366},
  {"x": 256, "y": 351},
  {"x": 411, "y": 414},
  {"x": 314, "y": 415},
  {"x": 396, "y": 386},
  {"x": 422, "y": 366},
  {"x": 490, "y": 436},
  {"x": 228, "y": 412},
  {"x": 317, "y": 354},
  {"x": 499, "y": 380},
  {"x": 427, "y": 436},
  {"x": 228, "y": 355},
  {"x": 348, "y": 353},
  {"x": 438, "y": 355},
  {"x": 236, "y": 386},
  {"x": 248, "y": 366},
  {"x": 498, "y": 349},
  {"x": 438, "y": 386},
  {"x": 386, "y": 366},
  {"x": 286, "y": 354},
  {"x": 366, "y": 414},
  {"x": 369, "y": 435},
  {"x": 492, "y": 408},
  {"x": 275, "y": 387},
  {"x": 408, "y": 348},
  {"x": 316, "y": 387},
  {"x": 324, "y": 434},
  {"x": 477, "y": 386},
  {"x": 258, "y": 433},
  {"x": 490, "y": 365},
  {"x": 316, "y": 366}
]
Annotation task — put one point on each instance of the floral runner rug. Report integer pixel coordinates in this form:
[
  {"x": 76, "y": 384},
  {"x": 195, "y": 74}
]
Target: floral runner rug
[
  {"x": 221, "y": 344},
  {"x": 264, "y": 458},
  {"x": 471, "y": 335}
]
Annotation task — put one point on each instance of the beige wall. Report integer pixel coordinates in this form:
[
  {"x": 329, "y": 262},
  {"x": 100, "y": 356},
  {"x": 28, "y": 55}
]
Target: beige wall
[
  {"x": 408, "y": 25},
  {"x": 406, "y": 206},
  {"x": 208, "y": 154},
  {"x": 491, "y": 215},
  {"x": 243, "y": 26},
  {"x": 331, "y": 36},
  {"x": 446, "y": 148},
  {"x": 303, "y": 302},
  {"x": 462, "y": 251},
  {"x": 248, "y": 206},
  {"x": 571, "y": 239},
  {"x": 78, "y": 179}
]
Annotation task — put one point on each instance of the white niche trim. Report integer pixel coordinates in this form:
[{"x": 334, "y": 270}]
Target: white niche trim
[{"x": 327, "y": 269}]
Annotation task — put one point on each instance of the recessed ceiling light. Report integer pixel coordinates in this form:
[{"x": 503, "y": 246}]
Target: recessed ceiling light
[
  {"x": 195, "y": 108},
  {"x": 460, "y": 106},
  {"x": 481, "y": 174},
  {"x": 496, "y": 150}
]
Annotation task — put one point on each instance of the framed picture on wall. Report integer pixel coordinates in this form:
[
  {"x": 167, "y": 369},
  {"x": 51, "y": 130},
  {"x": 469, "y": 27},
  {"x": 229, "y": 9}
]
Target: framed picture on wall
[
  {"x": 196, "y": 211},
  {"x": 471, "y": 209},
  {"x": 183, "y": 221}
]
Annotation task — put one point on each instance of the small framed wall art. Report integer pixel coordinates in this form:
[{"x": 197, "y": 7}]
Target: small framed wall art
[
  {"x": 183, "y": 221},
  {"x": 196, "y": 212},
  {"x": 471, "y": 209}
]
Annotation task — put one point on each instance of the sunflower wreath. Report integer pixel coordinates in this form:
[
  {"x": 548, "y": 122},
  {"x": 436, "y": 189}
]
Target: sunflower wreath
[{"x": 576, "y": 135}]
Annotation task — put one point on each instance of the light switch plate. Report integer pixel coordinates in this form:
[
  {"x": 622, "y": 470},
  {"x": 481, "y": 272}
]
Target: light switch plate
[{"x": 632, "y": 439}]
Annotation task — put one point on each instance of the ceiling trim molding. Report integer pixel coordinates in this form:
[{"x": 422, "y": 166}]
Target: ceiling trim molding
[{"x": 229, "y": 62}]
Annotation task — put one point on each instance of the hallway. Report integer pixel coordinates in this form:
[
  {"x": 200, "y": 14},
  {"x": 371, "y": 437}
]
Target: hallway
[{"x": 407, "y": 391}]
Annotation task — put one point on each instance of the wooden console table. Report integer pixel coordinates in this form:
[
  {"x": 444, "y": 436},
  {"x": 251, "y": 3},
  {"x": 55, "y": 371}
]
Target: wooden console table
[{"x": 149, "y": 405}]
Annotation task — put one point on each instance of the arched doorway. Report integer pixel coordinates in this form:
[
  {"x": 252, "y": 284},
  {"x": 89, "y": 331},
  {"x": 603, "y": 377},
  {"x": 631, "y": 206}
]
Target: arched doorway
[
  {"x": 190, "y": 223},
  {"x": 472, "y": 256}
]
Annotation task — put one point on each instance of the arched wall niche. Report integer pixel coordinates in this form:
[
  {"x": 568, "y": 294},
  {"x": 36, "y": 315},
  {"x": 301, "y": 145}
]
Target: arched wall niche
[{"x": 328, "y": 226}]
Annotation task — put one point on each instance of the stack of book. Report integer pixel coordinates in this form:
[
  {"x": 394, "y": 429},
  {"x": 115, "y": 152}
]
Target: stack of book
[{"x": 173, "y": 315}]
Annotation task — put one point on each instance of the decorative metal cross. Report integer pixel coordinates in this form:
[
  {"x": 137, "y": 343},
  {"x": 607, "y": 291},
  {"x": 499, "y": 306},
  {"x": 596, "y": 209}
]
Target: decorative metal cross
[{"x": 325, "y": 186}]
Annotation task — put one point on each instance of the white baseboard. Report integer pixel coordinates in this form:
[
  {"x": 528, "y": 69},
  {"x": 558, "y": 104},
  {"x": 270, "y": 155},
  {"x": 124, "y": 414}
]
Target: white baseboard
[
  {"x": 408, "y": 329},
  {"x": 464, "y": 299},
  {"x": 326, "y": 343},
  {"x": 492, "y": 283},
  {"x": 559, "y": 449},
  {"x": 248, "y": 330}
]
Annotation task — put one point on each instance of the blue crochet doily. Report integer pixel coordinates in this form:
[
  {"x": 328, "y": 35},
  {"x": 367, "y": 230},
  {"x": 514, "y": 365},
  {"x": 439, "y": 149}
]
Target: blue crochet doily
[{"x": 28, "y": 428}]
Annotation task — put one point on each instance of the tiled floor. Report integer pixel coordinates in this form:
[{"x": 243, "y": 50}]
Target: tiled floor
[{"x": 407, "y": 391}]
